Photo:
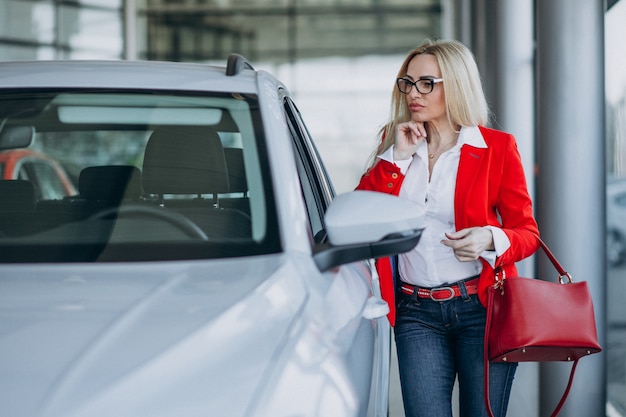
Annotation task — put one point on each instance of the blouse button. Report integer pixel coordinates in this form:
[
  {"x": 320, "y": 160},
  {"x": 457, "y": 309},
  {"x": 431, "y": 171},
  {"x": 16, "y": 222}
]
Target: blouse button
[
  {"x": 390, "y": 185},
  {"x": 394, "y": 175}
]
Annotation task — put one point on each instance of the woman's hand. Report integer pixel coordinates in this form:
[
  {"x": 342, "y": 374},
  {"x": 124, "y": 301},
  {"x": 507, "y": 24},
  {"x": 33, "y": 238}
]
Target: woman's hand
[
  {"x": 408, "y": 136},
  {"x": 469, "y": 243}
]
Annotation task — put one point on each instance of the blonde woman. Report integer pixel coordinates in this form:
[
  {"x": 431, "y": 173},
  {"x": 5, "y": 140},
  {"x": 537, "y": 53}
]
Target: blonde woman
[{"x": 436, "y": 151}]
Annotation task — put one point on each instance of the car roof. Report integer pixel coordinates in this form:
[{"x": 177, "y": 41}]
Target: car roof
[{"x": 153, "y": 75}]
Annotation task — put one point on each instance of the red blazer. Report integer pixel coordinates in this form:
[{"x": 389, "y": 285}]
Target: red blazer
[{"x": 490, "y": 190}]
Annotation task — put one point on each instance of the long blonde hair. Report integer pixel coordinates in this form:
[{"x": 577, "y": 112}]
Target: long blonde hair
[{"x": 465, "y": 100}]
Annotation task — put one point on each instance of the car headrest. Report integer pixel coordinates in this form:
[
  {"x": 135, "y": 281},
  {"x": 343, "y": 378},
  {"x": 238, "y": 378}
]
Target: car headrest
[
  {"x": 17, "y": 196},
  {"x": 236, "y": 170},
  {"x": 185, "y": 160},
  {"x": 110, "y": 183}
]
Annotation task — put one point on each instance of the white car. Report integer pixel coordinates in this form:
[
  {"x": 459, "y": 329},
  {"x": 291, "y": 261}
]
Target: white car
[{"x": 204, "y": 266}]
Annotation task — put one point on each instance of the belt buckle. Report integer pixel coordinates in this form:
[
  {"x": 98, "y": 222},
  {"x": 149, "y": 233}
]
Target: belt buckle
[{"x": 450, "y": 297}]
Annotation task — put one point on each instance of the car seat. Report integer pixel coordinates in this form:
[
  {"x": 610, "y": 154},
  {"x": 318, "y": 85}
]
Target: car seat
[
  {"x": 188, "y": 162},
  {"x": 17, "y": 205}
]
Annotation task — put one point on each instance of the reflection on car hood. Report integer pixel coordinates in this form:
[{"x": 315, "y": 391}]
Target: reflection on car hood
[{"x": 176, "y": 339}]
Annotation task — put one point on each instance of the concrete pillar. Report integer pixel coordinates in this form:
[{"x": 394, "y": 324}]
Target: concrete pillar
[
  {"x": 504, "y": 43},
  {"x": 510, "y": 88},
  {"x": 571, "y": 176},
  {"x": 130, "y": 29},
  {"x": 507, "y": 67},
  {"x": 501, "y": 36}
]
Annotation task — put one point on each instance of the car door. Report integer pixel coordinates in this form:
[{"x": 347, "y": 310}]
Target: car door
[{"x": 362, "y": 331}]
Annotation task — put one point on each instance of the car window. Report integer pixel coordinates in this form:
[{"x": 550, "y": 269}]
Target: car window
[
  {"x": 316, "y": 186},
  {"x": 159, "y": 176},
  {"x": 42, "y": 174}
]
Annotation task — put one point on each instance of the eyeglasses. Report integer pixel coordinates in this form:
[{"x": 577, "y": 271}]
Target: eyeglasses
[{"x": 423, "y": 85}]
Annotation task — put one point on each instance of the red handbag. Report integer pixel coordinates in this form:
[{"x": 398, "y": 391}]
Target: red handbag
[{"x": 530, "y": 320}]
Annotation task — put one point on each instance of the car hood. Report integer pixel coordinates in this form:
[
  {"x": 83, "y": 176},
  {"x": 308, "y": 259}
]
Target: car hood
[{"x": 171, "y": 339}]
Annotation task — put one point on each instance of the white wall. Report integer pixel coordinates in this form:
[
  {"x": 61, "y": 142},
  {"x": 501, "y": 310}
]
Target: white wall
[{"x": 344, "y": 102}]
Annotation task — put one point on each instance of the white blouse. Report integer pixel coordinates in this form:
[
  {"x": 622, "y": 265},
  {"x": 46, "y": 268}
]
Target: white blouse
[{"x": 432, "y": 264}]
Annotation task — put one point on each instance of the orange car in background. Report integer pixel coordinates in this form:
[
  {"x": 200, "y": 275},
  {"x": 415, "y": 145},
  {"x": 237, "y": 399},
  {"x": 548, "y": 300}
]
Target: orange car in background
[{"x": 47, "y": 175}]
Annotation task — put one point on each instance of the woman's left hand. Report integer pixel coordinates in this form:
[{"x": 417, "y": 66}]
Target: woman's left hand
[{"x": 468, "y": 244}]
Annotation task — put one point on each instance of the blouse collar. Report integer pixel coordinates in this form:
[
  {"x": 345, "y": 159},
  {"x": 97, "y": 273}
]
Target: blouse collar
[{"x": 471, "y": 135}]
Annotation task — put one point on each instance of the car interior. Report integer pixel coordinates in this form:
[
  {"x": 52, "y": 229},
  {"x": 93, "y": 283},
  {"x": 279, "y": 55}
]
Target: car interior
[{"x": 146, "y": 188}]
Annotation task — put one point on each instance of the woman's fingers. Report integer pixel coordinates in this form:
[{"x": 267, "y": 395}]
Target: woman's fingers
[
  {"x": 419, "y": 128},
  {"x": 412, "y": 131},
  {"x": 468, "y": 244},
  {"x": 408, "y": 136}
]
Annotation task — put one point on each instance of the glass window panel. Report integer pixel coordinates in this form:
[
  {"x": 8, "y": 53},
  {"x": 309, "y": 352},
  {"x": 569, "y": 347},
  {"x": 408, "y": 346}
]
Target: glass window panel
[
  {"x": 25, "y": 53},
  {"x": 91, "y": 29},
  {"x": 27, "y": 21},
  {"x": 102, "y": 3},
  {"x": 615, "y": 62},
  {"x": 91, "y": 54},
  {"x": 278, "y": 32},
  {"x": 188, "y": 186},
  {"x": 43, "y": 174}
]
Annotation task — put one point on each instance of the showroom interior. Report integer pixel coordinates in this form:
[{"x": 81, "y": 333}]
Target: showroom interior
[{"x": 553, "y": 73}]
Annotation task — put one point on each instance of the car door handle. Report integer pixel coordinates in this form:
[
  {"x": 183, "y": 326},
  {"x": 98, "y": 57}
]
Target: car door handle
[{"x": 375, "y": 308}]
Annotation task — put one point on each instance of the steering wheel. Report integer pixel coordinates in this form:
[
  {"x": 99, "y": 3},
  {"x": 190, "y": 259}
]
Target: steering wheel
[{"x": 183, "y": 223}]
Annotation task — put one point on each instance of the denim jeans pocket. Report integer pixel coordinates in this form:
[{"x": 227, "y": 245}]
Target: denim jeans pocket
[{"x": 404, "y": 302}]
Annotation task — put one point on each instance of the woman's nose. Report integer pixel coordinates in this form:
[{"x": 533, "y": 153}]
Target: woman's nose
[{"x": 415, "y": 92}]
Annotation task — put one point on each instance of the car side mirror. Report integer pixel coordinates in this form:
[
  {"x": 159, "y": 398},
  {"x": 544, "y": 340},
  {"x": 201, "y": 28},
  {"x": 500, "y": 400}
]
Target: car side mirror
[
  {"x": 365, "y": 224},
  {"x": 14, "y": 137}
]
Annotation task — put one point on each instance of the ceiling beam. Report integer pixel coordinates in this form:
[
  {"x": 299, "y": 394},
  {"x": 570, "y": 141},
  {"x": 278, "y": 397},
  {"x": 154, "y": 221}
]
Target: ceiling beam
[{"x": 276, "y": 11}]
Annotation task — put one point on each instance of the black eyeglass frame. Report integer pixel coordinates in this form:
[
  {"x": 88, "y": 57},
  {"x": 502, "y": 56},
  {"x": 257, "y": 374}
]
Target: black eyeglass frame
[{"x": 431, "y": 82}]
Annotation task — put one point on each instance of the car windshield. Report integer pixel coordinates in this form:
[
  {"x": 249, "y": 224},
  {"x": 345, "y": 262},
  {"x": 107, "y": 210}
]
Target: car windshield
[{"x": 101, "y": 176}]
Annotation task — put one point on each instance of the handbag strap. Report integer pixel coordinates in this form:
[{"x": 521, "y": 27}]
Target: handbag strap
[
  {"x": 490, "y": 296},
  {"x": 555, "y": 262}
]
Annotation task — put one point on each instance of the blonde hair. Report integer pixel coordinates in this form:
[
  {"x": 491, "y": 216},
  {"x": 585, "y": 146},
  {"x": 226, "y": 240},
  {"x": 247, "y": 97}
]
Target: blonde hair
[{"x": 465, "y": 100}]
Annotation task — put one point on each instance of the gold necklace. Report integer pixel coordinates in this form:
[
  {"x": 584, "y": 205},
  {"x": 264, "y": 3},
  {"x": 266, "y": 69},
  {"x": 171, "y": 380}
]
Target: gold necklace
[{"x": 443, "y": 149}]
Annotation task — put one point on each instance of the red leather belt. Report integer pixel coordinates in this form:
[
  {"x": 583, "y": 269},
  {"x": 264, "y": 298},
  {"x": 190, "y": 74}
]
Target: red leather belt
[{"x": 440, "y": 293}]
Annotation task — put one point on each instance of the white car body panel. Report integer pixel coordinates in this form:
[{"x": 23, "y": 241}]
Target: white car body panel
[
  {"x": 167, "y": 323},
  {"x": 343, "y": 230},
  {"x": 133, "y": 75},
  {"x": 292, "y": 213}
]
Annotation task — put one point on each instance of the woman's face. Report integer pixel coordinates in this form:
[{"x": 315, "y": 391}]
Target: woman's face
[{"x": 429, "y": 107}]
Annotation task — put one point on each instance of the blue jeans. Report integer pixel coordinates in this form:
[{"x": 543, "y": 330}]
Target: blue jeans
[{"x": 438, "y": 341}]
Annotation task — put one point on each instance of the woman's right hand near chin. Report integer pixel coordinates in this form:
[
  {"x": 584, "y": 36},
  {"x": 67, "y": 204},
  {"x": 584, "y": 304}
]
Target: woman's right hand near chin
[{"x": 408, "y": 137}]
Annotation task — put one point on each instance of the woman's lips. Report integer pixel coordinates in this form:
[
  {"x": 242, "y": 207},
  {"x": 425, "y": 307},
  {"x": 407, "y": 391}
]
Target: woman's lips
[{"x": 415, "y": 107}]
